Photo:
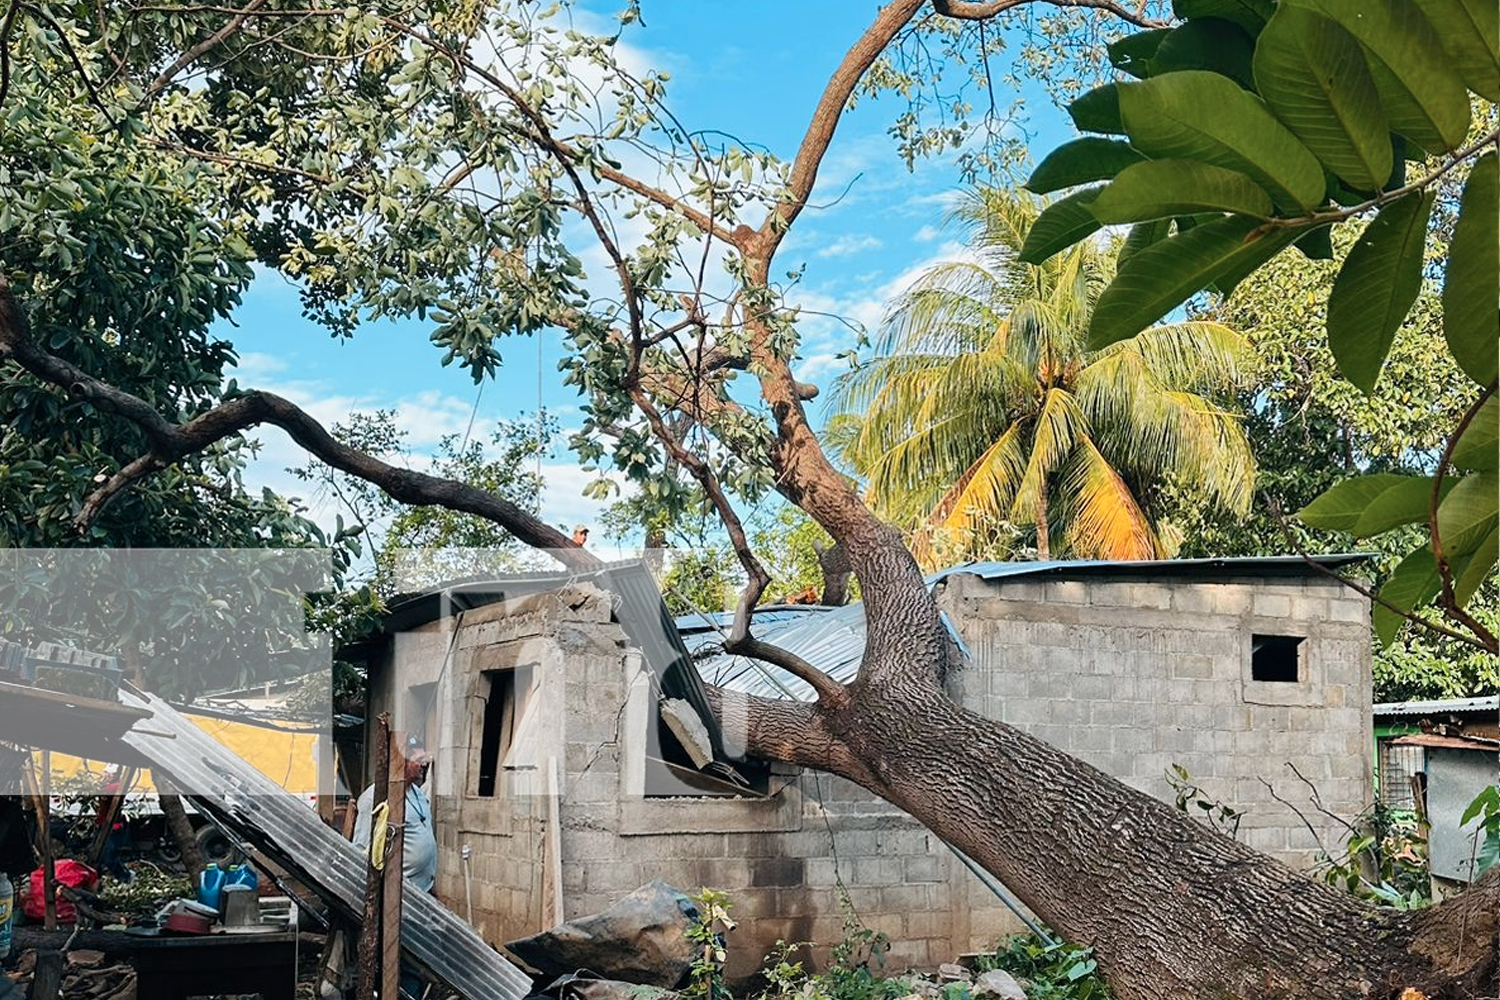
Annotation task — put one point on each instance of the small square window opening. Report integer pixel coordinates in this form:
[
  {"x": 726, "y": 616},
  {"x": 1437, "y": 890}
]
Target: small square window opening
[{"x": 1276, "y": 658}]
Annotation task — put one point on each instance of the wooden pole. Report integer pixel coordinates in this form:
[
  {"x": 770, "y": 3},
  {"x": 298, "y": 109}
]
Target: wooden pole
[
  {"x": 553, "y": 901},
  {"x": 369, "y": 931},
  {"x": 46, "y": 981},
  {"x": 37, "y": 789},
  {"x": 390, "y": 918},
  {"x": 107, "y": 819}
]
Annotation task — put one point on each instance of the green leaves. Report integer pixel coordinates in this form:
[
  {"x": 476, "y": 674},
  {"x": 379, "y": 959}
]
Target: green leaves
[
  {"x": 1158, "y": 278},
  {"x": 1158, "y": 188},
  {"x": 1471, "y": 313},
  {"x": 1340, "y": 508},
  {"x": 1197, "y": 115},
  {"x": 1376, "y": 287},
  {"x": 1479, "y": 448},
  {"x": 1063, "y": 223},
  {"x": 1468, "y": 30},
  {"x": 1415, "y": 582},
  {"x": 1423, "y": 97},
  {"x": 1312, "y": 75},
  {"x": 1098, "y": 111},
  {"x": 1081, "y": 161}
]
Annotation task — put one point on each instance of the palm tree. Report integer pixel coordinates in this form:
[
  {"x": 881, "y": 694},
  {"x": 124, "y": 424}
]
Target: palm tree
[{"x": 983, "y": 406}]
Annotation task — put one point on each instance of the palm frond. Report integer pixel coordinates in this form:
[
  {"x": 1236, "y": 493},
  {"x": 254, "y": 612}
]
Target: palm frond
[
  {"x": 987, "y": 487},
  {"x": 1151, "y": 430},
  {"x": 1104, "y": 519},
  {"x": 1058, "y": 426}
]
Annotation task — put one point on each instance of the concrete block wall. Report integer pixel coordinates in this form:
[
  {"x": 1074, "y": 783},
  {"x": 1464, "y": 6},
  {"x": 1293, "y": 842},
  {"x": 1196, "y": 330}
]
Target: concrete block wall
[
  {"x": 781, "y": 859},
  {"x": 1136, "y": 676},
  {"x": 1127, "y": 675}
]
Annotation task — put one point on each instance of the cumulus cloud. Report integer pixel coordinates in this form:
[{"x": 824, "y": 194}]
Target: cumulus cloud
[{"x": 846, "y": 246}]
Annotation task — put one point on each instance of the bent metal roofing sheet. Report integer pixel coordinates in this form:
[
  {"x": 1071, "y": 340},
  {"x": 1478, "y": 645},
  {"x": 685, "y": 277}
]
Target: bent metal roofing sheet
[{"x": 282, "y": 826}]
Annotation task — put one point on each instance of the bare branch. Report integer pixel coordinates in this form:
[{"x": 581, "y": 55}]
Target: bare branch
[
  {"x": 170, "y": 442},
  {"x": 973, "y": 11},
  {"x": 192, "y": 55}
]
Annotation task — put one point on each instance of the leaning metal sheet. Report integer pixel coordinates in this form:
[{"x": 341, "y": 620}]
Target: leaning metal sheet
[{"x": 290, "y": 833}]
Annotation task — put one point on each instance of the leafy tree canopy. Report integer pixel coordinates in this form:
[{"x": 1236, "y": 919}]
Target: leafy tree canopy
[{"x": 1251, "y": 128}]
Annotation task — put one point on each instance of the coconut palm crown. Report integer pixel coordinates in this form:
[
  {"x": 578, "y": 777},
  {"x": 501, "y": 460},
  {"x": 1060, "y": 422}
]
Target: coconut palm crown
[{"x": 983, "y": 406}]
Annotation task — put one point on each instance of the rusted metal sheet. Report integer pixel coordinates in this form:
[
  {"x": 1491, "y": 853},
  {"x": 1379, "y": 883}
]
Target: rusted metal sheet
[{"x": 288, "y": 831}]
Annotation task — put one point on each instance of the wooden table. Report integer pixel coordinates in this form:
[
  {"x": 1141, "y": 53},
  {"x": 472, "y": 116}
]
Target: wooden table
[{"x": 175, "y": 967}]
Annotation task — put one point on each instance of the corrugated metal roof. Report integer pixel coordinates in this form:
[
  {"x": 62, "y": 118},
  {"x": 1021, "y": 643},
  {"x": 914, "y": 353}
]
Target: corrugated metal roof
[
  {"x": 1487, "y": 703},
  {"x": 255, "y": 809},
  {"x": 1437, "y": 741},
  {"x": 766, "y": 614},
  {"x": 1255, "y": 566},
  {"x": 834, "y": 640}
]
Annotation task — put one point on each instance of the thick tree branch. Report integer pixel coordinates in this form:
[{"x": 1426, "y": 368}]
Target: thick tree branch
[
  {"x": 170, "y": 442},
  {"x": 971, "y": 11},
  {"x": 825, "y": 119},
  {"x": 192, "y": 55}
]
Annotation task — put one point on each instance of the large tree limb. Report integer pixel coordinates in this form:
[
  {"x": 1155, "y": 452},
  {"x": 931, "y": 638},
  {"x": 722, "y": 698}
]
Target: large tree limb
[
  {"x": 825, "y": 118},
  {"x": 830, "y": 692},
  {"x": 966, "y": 10},
  {"x": 192, "y": 55},
  {"x": 171, "y": 441}
]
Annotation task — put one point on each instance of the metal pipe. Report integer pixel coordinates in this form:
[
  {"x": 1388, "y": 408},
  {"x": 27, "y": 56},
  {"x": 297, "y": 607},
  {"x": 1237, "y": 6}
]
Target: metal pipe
[
  {"x": 993, "y": 885},
  {"x": 468, "y": 852}
]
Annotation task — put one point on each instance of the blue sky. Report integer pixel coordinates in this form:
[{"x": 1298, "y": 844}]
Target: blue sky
[{"x": 753, "y": 70}]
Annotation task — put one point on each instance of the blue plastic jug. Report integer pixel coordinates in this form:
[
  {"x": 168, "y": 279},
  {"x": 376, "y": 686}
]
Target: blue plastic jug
[
  {"x": 7, "y": 913},
  {"x": 211, "y": 886},
  {"x": 242, "y": 875}
]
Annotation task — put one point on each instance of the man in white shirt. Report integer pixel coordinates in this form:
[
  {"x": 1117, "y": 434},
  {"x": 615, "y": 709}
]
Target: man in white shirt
[{"x": 419, "y": 853}]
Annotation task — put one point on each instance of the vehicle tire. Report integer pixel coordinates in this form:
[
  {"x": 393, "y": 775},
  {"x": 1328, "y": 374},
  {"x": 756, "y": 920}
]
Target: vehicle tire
[{"x": 217, "y": 848}]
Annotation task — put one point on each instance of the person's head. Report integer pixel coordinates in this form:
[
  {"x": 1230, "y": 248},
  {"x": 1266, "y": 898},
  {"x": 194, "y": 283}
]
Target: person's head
[
  {"x": 418, "y": 760},
  {"x": 580, "y": 534}
]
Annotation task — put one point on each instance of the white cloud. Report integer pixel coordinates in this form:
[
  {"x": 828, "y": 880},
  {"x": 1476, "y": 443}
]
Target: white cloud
[
  {"x": 846, "y": 246},
  {"x": 927, "y": 234},
  {"x": 256, "y": 366}
]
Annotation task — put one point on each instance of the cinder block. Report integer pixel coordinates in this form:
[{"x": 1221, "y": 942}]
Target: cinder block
[
  {"x": 904, "y": 898},
  {"x": 925, "y": 868},
  {"x": 1066, "y": 592},
  {"x": 1195, "y": 599},
  {"x": 1272, "y": 606},
  {"x": 1194, "y": 667}
]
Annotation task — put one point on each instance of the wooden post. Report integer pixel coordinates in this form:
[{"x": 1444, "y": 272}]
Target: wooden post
[
  {"x": 107, "y": 821},
  {"x": 552, "y": 903},
  {"x": 46, "y": 981},
  {"x": 390, "y": 918},
  {"x": 37, "y": 788},
  {"x": 369, "y": 931}
]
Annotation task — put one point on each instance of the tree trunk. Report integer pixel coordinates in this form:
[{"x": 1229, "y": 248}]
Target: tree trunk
[
  {"x": 181, "y": 829},
  {"x": 833, "y": 563},
  {"x": 1171, "y": 907},
  {"x": 1043, "y": 530}
]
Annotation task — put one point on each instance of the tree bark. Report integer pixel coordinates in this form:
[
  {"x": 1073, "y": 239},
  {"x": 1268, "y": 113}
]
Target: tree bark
[
  {"x": 181, "y": 829},
  {"x": 1171, "y": 907},
  {"x": 1043, "y": 530}
]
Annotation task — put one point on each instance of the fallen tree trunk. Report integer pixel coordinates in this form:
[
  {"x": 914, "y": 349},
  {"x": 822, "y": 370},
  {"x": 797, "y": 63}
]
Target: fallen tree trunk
[{"x": 1171, "y": 907}]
